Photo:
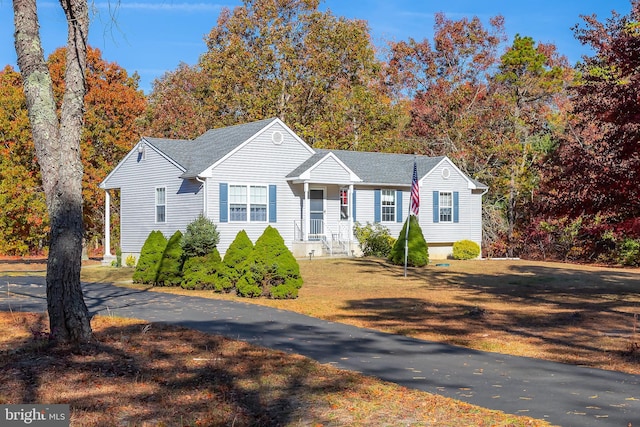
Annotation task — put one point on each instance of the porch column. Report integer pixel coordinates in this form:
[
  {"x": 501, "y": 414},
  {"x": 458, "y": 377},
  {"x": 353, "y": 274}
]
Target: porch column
[
  {"x": 305, "y": 213},
  {"x": 350, "y": 214},
  {"x": 107, "y": 225}
]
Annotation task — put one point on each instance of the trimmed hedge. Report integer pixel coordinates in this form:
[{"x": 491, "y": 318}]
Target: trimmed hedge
[
  {"x": 465, "y": 249},
  {"x": 233, "y": 265},
  {"x": 170, "y": 270},
  {"x": 150, "y": 256},
  {"x": 271, "y": 269},
  {"x": 418, "y": 254},
  {"x": 203, "y": 272}
]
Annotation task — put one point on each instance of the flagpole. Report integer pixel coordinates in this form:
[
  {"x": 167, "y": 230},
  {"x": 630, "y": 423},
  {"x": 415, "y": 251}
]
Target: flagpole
[
  {"x": 414, "y": 205},
  {"x": 406, "y": 244}
]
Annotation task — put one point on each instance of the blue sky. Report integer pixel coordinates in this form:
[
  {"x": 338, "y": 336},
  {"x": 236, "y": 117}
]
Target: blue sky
[{"x": 154, "y": 36}]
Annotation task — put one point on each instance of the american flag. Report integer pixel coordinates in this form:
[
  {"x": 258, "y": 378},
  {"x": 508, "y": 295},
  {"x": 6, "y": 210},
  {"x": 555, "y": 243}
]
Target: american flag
[{"x": 415, "y": 191}]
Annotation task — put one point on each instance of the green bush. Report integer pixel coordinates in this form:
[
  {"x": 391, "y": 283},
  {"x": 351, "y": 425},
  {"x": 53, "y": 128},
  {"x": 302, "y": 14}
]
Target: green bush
[
  {"x": 418, "y": 253},
  {"x": 203, "y": 272},
  {"x": 233, "y": 264},
  {"x": 170, "y": 270},
  {"x": 375, "y": 240},
  {"x": 150, "y": 256},
  {"x": 629, "y": 252},
  {"x": 200, "y": 238},
  {"x": 272, "y": 270},
  {"x": 130, "y": 261},
  {"x": 465, "y": 249}
]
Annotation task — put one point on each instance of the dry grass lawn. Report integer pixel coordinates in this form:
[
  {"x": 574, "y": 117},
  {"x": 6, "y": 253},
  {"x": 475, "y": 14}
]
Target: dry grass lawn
[
  {"x": 139, "y": 374},
  {"x": 578, "y": 314}
]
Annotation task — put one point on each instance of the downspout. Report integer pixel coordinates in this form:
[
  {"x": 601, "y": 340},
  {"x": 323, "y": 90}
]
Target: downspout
[{"x": 204, "y": 195}]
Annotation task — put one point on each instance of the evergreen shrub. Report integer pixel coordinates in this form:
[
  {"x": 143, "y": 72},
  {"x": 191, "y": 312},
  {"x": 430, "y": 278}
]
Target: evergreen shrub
[
  {"x": 272, "y": 270},
  {"x": 200, "y": 238},
  {"x": 234, "y": 261},
  {"x": 170, "y": 270},
  {"x": 150, "y": 256},
  {"x": 465, "y": 249},
  {"x": 418, "y": 254},
  {"x": 203, "y": 272}
]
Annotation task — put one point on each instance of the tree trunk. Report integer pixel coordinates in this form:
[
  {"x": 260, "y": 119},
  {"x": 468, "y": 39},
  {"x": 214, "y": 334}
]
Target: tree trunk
[{"x": 57, "y": 144}]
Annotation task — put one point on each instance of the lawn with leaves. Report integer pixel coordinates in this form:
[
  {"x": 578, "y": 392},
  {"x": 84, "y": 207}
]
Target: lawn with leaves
[
  {"x": 578, "y": 314},
  {"x": 140, "y": 374}
]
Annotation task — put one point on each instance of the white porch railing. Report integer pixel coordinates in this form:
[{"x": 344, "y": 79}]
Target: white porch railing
[{"x": 335, "y": 238}]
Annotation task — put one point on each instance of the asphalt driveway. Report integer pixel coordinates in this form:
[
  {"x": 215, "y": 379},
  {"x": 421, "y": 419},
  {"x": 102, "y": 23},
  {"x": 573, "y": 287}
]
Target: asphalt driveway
[{"x": 560, "y": 394}]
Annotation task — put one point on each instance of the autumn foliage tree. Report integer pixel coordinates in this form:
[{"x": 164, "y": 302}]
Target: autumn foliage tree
[
  {"x": 113, "y": 107},
  {"x": 24, "y": 221},
  {"x": 593, "y": 182},
  {"x": 317, "y": 72}
]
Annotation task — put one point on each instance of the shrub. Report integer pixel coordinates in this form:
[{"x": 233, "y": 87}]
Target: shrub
[
  {"x": 418, "y": 253},
  {"x": 375, "y": 240},
  {"x": 200, "y": 238},
  {"x": 629, "y": 252},
  {"x": 170, "y": 270},
  {"x": 130, "y": 261},
  {"x": 233, "y": 264},
  {"x": 203, "y": 272},
  {"x": 272, "y": 270},
  {"x": 465, "y": 249},
  {"x": 150, "y": 257}
]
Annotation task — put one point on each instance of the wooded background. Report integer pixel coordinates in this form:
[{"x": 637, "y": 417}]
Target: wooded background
[{"x": 557, "y": 143}]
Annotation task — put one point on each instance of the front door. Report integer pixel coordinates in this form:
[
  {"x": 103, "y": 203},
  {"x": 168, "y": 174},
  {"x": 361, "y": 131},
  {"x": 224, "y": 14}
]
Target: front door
[{"x": 316, "y": 213}]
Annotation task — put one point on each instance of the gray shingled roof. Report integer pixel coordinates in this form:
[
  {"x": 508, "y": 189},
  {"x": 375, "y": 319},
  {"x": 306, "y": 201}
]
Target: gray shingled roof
[
  {"x": 376, "y": 168},
  {"x": 198, "y": 154},
  {"x": 373, "y": 168}
]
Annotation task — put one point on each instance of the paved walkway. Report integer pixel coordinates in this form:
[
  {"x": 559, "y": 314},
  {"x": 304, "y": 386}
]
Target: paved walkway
[{"x": 561, "y": 394}]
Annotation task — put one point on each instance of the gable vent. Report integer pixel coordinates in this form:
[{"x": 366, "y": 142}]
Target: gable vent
[{"x": 277, "y": 137}]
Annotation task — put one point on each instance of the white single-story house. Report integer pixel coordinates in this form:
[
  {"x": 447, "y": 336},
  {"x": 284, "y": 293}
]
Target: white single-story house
[{"x": 249, "y": 176}]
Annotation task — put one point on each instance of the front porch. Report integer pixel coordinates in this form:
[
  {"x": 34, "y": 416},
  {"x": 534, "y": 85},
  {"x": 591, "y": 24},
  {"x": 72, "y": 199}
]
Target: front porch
[{"x": 318, "y": 237}]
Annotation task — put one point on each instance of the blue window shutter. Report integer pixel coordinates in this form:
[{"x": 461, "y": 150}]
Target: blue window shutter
[
  {"x": 456, "y": 203},
  {"x": 377, "y": 206},
  {"x": 273, "y": 213},
  {"x": 398, "y": 205},
  {"x": 224, "y": 202},
  {"x": 353, "y": 204},
  {"x": 436, "y": 207}
]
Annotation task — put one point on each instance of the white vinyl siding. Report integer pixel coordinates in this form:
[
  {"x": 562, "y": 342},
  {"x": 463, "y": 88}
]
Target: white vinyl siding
[
  {"x": 137, "y": 182},
  {"x": 266, "y": 164},
  {"x": 469, "y": 218}
]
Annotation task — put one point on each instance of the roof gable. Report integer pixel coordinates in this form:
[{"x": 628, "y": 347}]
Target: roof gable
[
  {"x": 472, "y": 184},
  {"x": 326, "y": 163}
]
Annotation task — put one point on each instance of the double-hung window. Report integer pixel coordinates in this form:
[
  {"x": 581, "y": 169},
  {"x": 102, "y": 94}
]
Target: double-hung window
[
  {"x": 446, "y": 207},
  {"x": 248, "y": 203},
  {"x": 388, "y": 205},
  {"x": 344, "y": 203},
  {"x": 258, "y": 202},
  {"x": 161, "y": 204}
]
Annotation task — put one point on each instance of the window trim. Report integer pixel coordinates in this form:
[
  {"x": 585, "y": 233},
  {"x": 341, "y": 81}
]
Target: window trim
[
  {"x": 441, "y": 216},
  {"x": 345, "y": 205},
  {"x": 389, "y": 214},
  {"x": 163, "y": 205},
  {"x": 247, "y": 203}
]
